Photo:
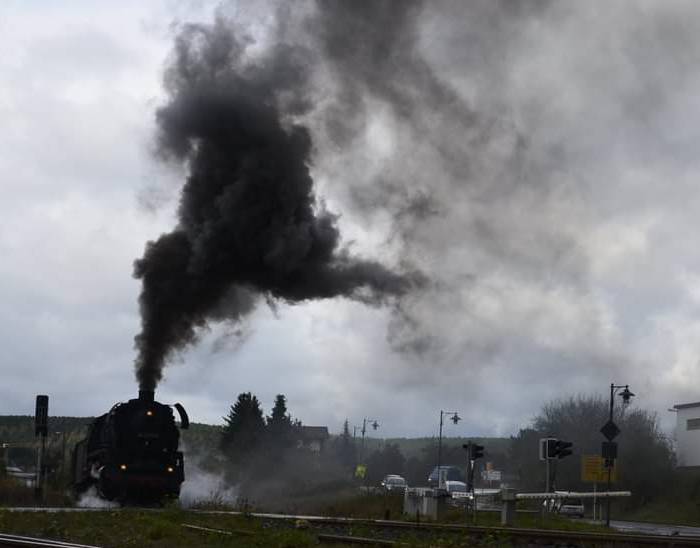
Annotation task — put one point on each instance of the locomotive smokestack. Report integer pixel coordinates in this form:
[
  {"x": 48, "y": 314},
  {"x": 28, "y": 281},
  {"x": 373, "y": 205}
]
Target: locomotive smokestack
[{"x": 147, "y": 396}]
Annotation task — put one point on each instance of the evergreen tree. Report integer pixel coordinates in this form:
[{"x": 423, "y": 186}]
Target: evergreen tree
[
  {"x": 244, "y": 427},
  {"x": 280, "y": 428},
  {"x": 345, "y": 447}
]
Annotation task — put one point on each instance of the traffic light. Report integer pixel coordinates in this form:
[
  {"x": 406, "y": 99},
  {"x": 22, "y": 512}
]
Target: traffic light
[
  {"x": 561, "y": 449},
  {"x": 554, "y": 448},
  {"x": 551, "y": 448},
  {"x": 474, "y": 451}
]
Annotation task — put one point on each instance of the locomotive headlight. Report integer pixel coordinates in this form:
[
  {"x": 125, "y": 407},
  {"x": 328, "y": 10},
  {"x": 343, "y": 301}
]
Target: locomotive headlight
[
  {"x": 149, "y": 413},
  {"x": 171, "y": 469},
  {"x": 122, "y": 466}
]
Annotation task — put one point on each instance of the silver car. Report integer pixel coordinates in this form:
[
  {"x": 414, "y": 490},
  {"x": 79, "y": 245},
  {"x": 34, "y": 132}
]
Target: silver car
[{"x": 571, "y": 507}]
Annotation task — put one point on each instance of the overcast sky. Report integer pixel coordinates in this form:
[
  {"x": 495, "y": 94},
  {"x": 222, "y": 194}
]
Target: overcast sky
[{"x": 536, "y": 161}]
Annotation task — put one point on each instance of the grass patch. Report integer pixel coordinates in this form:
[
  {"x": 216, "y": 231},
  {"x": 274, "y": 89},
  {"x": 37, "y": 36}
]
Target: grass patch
[
  {"x": 150, "y": 529},
  {"x": 363, "y": 506},
  {"x": 161, "y": 529}
]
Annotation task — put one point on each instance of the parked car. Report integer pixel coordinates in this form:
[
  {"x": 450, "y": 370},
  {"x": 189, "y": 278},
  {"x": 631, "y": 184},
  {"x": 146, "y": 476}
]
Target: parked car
[
  {"x": 394, "y": 484},
  {"x": 454, "y": 473},
  {"x": 571, "y": 507}
]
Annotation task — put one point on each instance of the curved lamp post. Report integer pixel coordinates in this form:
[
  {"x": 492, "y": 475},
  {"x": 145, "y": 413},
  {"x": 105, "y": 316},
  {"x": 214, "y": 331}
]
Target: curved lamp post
[
  {"x": 365, "y": 422},
  {"x": 626, "y": 396},
  {"x": 455, "y": 418}
]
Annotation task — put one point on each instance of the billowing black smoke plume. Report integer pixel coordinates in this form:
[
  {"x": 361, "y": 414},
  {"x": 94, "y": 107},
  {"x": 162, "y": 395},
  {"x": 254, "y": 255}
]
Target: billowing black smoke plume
[{"x": 249, "y": 225}]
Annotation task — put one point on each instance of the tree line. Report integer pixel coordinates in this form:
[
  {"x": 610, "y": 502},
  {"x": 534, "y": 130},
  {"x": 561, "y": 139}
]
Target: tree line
[
  {"x": 645, "y": 463},
  {"x": 261, "y": 447}
]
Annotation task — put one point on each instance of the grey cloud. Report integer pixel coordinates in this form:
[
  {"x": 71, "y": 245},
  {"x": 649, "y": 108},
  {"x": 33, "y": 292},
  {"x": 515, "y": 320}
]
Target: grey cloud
[{"x": 506, "y": 138}]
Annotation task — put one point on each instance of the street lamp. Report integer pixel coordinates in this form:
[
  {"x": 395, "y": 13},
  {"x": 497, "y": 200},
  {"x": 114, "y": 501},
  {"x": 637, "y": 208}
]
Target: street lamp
[
  {"x": 455, "y": 418},
  {"x": 610, "y": 431},
  {"x": 374, "y": 424}
]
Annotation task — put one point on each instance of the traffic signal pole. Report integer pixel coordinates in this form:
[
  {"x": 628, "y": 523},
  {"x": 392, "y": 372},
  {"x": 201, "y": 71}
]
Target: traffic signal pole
[{"x": 474, "y": 452}]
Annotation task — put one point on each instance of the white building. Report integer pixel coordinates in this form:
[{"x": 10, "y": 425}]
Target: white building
[{"x": 688, "y": 434}]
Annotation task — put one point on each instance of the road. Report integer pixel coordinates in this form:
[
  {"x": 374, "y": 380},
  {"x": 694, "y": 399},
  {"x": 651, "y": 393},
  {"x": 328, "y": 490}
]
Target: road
[{"x": 654, "y": 528}]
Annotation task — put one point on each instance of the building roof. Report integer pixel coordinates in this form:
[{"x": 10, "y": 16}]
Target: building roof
[
  {"x": 310, "y": 433},
  {"x": 687, "y": 405}
]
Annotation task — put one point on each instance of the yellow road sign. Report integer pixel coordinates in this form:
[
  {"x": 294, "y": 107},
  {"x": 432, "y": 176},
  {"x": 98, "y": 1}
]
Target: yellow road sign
[{"x": 593, "y": 469}]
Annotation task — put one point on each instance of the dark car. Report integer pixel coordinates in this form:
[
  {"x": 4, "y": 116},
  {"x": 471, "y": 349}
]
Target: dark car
[
  {"x": 394, "y": 484},
  {"x": 454, "y": 473}
]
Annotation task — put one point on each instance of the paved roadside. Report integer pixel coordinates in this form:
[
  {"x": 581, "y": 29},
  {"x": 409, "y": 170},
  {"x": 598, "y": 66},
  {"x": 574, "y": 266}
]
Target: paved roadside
[{"x": 652, "y": 528}]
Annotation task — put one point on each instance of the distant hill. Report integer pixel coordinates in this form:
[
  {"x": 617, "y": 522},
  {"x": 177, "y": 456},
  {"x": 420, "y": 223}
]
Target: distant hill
[
  {"x": 17, "y": 431},
  {"x": 415, "y": 447},
  {"x": 203, "y": 439}
]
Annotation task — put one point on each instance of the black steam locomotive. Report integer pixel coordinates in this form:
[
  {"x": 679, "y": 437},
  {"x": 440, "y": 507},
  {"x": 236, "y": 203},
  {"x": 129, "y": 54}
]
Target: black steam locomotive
[{"x": 131, "y": 453}]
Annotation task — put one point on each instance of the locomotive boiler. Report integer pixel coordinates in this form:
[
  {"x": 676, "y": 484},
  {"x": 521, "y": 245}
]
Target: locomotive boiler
[{"x": 131, "y": 453}]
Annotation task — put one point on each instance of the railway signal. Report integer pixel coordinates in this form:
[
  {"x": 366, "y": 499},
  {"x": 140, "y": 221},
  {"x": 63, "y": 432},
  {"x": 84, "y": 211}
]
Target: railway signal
[
  {"x": 41, "y": 428},
  {"x": 41, "y": 416}
]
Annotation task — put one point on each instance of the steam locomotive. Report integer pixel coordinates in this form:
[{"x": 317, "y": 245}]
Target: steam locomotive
[{"x": 131, "y": 453}]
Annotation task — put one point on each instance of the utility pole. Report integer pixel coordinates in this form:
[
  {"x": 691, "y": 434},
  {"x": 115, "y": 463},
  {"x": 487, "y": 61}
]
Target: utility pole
[{"x": 354, "y": 443}]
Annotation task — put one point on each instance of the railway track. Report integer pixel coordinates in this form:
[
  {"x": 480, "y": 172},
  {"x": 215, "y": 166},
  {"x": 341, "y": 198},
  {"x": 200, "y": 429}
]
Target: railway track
[
  {"x": 517, "y": 536},
  {"x": 394, "y": 533},
  {"x": 29, "y": 542},
  {"x": 388, "y": 532}
]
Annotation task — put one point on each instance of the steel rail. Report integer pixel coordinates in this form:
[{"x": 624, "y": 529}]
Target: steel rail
[
  {"x": 588, "y": 537},
  {"x": 17, "y": 540},
  {"x": 344, "y": 539},
  {"x": 593, "y": 538}
]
